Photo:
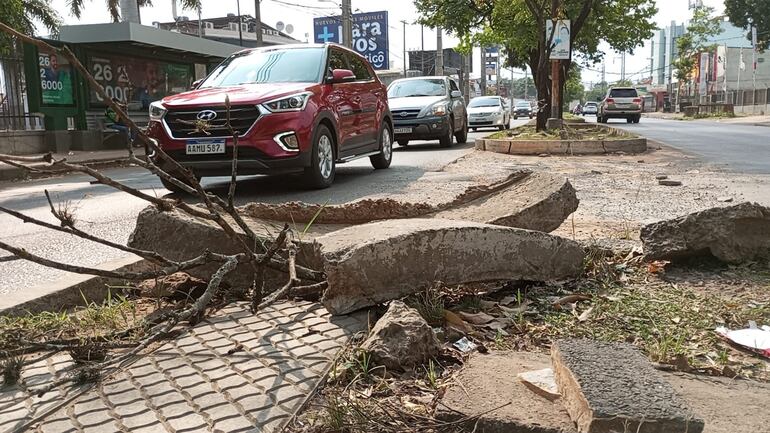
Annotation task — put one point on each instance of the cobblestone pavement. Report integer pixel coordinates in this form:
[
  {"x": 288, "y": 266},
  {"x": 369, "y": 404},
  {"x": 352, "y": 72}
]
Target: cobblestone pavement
[{"x": 233, "y": 372}]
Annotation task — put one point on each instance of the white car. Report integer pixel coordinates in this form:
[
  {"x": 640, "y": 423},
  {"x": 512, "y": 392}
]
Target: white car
[{"x": 488, "y": 112}]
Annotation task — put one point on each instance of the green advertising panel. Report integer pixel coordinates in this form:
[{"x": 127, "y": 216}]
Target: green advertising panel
[
  {"x": 137, "y": 80},
  {"x": 55, "y": 79}
]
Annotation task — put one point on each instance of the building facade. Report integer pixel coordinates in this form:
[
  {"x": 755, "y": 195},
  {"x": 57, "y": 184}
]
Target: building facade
[{"x": 226, "y": 29}]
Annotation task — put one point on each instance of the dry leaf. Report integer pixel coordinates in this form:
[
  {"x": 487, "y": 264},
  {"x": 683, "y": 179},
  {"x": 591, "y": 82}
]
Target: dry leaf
[
  {"x": 586, "y": 314},
  {"x": 657, "y": 266},
  {"x": 457, "y": 322},
  {"x": 570, "y": 299},
  {"x": 519, "y": 309},
  {"x": 477, "y": 318}
]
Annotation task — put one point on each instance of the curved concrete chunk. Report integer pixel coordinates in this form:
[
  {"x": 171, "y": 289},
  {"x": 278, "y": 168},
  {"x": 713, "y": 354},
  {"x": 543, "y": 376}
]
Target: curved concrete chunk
[
  {"x": 541, "y": 201},
  {"x": 733, "y": 234},
  {"x": 376, "y": 262}
]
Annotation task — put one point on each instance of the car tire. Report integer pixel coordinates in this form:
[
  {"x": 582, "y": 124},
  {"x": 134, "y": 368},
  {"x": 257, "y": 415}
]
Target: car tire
[
  {"x": 515, "y": 117},
  {"x": 630, "y": 120},
  {"x": 501, "y": 127},
  {"x": 403, "y": 143},
  {"x": 462, "y": 136},
  {"x": 637, "y": 118},
  {"x": 473, "y": 129},
  {"x": 172, "y": 187},
  {"x": 382, "y": 160},
  {"x": 322, "y": 168},
  {"x": 446, "y": 141}
]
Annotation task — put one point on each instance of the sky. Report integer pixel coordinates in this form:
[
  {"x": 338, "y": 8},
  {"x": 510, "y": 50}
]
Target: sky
[{"x": 300, "y": 14}]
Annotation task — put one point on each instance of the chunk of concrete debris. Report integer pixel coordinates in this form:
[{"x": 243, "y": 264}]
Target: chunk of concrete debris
[
  {"x": 377, "y": 262},
  {"x": 724, "y": 199},
  {"x": 732, "y": 234},
  {"x": 401, "y": 339},
  {"x": 669, "y": 182},
  {"x": 542, "y": 382},
  {"x": 611, "y": 387},
  {"x": 541, "y": 201},
  {"x": 178, "y": 285},
  {"x": 661, "y": 177},
  {"x": 488, "y": 386}
]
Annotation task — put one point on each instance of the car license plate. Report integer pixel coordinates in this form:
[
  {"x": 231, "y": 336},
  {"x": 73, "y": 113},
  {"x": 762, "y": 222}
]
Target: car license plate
[
  {"x": 402, "y": 130},
  {"x": 205, "y": 147}
]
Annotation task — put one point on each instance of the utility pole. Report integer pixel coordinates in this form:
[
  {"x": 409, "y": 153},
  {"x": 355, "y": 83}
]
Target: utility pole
[
  {"x": 467, "y": 75},
  {"x": 753, "y": 65},
  {"x": 623, "y": 66},
  {"x": 604, "y": 72},
  {"x": 422, "y": 49},
  {"x": 240, "y": 21},
  {"x": 347, "y": 24},
  {"x": 554, "y": 122},
  {"x": 652, "y": 61},
  {"x": 404, "y": 23},
  {"x": 483, "y": 71},
  {"x": 439, "y": 52},
  {"x": 258, "y": 19},
  {"x": 526, "y": 82}
]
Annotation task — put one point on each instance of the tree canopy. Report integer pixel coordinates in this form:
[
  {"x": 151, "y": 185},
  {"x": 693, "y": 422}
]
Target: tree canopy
[
  {"x": 702, "y": 25},
  {"x": 740, "y": 11},
  {"x": 519, "y": 26}
]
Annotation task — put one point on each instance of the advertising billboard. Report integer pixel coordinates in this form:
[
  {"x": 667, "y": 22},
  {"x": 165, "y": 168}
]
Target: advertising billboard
[
  {"x": 55, "y": 79},
  {"x": 137, "y": 80},
  {"x": 559, "y": 39},
  {"x": 370, "y": 35}
]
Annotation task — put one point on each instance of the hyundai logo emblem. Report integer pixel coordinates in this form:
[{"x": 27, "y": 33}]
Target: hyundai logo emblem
[
  {"x": 404, "y": 114},
  {"x": 207, "y": 115}
]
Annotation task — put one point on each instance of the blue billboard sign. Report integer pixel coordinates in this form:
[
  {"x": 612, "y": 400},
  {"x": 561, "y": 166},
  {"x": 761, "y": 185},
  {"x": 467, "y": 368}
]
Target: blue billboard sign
[{"x": 370, "y": 35}]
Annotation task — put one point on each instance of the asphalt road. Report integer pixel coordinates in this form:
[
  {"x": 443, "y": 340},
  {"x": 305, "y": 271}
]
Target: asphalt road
[
  {"x": 733, "y": 147},
  {"x": 105, "y": 212}
]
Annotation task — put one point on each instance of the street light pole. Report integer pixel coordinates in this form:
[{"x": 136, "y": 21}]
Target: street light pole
[
  {"x": 404, "y": 23},
  {"x": 240, "y": 27},
  {"x": 258, "y": 19},
  {"x": 347, "y": 23},
  {"x": 555, "y": 81},
  {"x": 439, "y": 52}
]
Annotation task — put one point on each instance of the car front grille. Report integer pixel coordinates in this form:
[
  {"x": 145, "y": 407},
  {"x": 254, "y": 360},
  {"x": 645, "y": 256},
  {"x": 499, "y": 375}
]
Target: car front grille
[
  {"x": 184, "y": 123},
  {"x": 405, "y": 114}
]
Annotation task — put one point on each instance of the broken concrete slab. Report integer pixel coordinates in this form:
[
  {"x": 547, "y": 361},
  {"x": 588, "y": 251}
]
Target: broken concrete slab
[
  {"x": 533, "y": 201},
  {"x": 489, "y": 382},
  {"x": 401, "y": 339},
  {"x": 733, "y": 234},
  {"x": 377, "y": 262},
  {"x": 539, "y": 202},
  {"x": 611, "y": 387}
]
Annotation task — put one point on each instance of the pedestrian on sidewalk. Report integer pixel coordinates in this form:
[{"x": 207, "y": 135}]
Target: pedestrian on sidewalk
[{"x": 117, "y": 121}]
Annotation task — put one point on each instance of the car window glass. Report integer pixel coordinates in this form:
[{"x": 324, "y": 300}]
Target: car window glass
[
  {"x": 412, "y": 88},
  {"x": 337, "y": 60},
  {"x": 359, "y": 68},
  {"x": 269, "y": 66},
  {"x": 484, "y": 102},
  {"x": 453, "y": 85},
  {"x": 623, "y": 93}
]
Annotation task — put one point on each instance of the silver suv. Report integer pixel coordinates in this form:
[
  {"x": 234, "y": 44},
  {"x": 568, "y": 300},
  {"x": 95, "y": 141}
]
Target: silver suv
[
  {"x": 428, "y": 108},
  {"x": 621, "y": 103}
]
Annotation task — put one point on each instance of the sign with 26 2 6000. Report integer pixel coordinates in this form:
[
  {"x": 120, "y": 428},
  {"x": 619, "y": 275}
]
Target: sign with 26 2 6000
[
  {"x": 55, "y": 79},
  {"x": 370, "y": 35}
]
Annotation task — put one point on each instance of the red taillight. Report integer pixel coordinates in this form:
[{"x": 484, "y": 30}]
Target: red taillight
[
  {"x": 637, "y": 101},
  {"x": 610, "y": 101}
]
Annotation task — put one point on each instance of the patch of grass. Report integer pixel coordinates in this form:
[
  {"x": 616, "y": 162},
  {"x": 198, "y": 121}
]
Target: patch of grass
[
  {"x": 665, "y": 322},
  {"x": 431, "y": 374},
  {"x": 430, "y": 305},
  {"x": 470, "y": 303},
  {"x": 594, "y": 132}
]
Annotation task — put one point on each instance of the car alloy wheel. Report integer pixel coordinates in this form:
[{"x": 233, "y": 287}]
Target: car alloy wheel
[
  {"x": 325, "y": 156},
  {"x": 382, "y": 159}
]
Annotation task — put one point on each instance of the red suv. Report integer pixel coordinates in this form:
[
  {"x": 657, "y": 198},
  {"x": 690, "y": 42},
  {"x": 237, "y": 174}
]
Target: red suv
[{"x": 298, "y": 108}]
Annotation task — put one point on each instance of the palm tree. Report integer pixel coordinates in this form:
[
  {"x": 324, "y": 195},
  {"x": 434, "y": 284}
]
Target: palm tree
[{"x": 22, "y": 16}]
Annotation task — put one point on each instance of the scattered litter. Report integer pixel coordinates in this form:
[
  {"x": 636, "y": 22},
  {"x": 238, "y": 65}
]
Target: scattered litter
[
  {"x": 692, "y": 171},
  {"x": 725, "y": 199},
  {"x": 596, "y": 172},
  {"x": 661, "y": 177},
  {"x": 464, "y": 345},
  {"x": 542, "y": 382},
  {"x": 751, "y": 338},
  {"x": 586, "y": 314}
]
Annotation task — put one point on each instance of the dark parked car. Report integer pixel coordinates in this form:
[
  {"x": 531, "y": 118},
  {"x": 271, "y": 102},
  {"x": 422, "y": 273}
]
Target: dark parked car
[
  {"x": 295, "y": 108},
  {"x": 523, "y": 109},
  {"x": 428, "y": 108}
]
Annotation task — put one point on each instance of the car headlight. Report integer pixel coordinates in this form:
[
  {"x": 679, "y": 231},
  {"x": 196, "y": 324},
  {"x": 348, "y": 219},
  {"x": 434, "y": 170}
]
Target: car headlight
[
  {"x": 157, "y": 111},
  {"x": 296, "y": 102}
]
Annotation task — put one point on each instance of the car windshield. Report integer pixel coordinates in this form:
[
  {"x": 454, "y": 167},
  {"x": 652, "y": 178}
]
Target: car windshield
[
  {"x": 298, "y": 65},
  {"x": 623, "y": 93},
  {"x": 522, "y": 105},
  {"x": 484, "y": 102},
  {"x": 590, "y": 104},
  {"x": 411, "y": 88}
]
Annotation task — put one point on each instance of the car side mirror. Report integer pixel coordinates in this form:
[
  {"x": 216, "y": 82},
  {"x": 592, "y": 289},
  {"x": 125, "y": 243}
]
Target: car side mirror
[
  {"x": 456, "y": 94},
  {"x": 195, "y": 84},
  {"x": 342, "y": 76}
]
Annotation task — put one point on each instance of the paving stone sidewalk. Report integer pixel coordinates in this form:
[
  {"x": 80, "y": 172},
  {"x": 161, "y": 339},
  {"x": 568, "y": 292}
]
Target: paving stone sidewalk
[{"x": 233, "y": 372}]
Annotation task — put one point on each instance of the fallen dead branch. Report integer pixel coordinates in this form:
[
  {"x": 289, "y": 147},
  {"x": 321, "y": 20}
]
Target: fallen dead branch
[{"x": 257, "y": 252}]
